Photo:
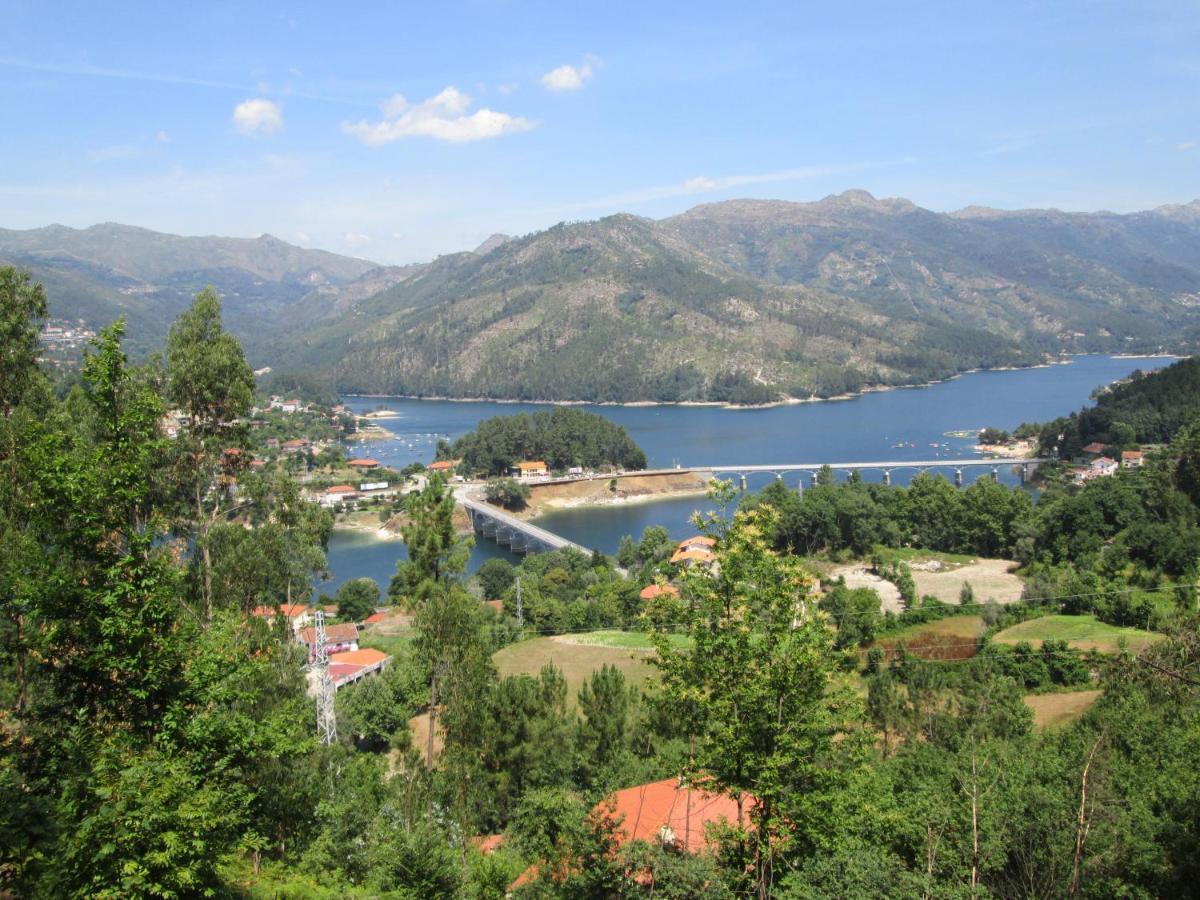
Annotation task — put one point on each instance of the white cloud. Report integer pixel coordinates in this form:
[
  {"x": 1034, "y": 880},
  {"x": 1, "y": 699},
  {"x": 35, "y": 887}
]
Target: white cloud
[
  {"x": 355, "y": 239},
  {"x": 443, "y": 117},
  {"x": 568, "y": 78},
  {"x": 258, "y": 116},
  {"x": 163, "y": 137},
  {"x": 506, "y": 88},
  {"x": 1186, "y": 145}
]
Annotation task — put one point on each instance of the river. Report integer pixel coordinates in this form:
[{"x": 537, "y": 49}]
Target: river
[{"x": 908, "y": 423}]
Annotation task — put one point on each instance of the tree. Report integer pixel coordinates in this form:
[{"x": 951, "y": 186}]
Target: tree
[
  {"x": 22, "y": 310},
  {"x": 507, "y": 492},
  {"x": 495, "y": 576},
  {"x": 755, "y": 687},
  {"x": 604, "y": 700},
  {"x": 436, "y": 554},
  {"x": 209, "y": 380},
  {"x": 357, "y": 599}
]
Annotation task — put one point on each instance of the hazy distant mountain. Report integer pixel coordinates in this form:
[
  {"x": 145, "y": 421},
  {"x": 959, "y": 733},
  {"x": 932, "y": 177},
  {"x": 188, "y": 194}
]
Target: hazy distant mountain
[
  {"x": 496, "y": 240},
  {"x": 753, "y": 299},
  {"x": 108, "y": 270}
]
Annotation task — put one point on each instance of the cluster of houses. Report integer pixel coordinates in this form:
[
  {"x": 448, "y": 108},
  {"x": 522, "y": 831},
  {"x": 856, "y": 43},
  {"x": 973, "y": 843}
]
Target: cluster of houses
[
  {"x": 1096, "y": 463},
  {"x": 348, "y": 662}
]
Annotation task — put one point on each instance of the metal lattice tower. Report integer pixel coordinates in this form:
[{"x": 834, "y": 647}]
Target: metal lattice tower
[
  {"x": 520, "y": 611},
  {"x": 326, "y": 717}
]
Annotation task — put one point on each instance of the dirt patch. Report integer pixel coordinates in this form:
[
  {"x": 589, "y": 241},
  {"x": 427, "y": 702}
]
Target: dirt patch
[
  {"x": 597, "y": 491},
  {"x": 990, "y": 579},
  {"x": 1051, "y": 710},
  {"x": 858, "y": 576},
  {"x": 953, "y": 638}
]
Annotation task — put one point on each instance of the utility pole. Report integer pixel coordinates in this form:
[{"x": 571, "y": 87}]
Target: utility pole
[
  {"x": 326, "y": 716},
  {"x": 520, "y": 611}
]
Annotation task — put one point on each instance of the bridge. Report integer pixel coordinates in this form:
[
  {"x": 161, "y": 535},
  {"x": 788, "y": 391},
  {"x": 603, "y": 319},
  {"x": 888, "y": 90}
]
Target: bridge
[
  {"x": 1026, "y": 466},
  {"x": 509, "y": 531}
]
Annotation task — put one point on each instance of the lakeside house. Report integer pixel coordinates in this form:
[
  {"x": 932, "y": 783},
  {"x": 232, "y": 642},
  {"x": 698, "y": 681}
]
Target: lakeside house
[
  {"x": 296, "y": 445},
  {"x": 1095, "y": 448},
  {"x": 529, "y": 468},
  {"x": 693, "y": 550},
  {"x": 351, "y": 666},
  {"x": 364, "y": 464},
  {"x": 445, "y": 466},
  {"x": 1132, "y": 459}
]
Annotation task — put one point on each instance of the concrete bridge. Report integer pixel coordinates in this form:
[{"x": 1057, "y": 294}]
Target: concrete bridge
[
  {"x": 1025, "y": 466},
  {"x": 509, "y": 531}
]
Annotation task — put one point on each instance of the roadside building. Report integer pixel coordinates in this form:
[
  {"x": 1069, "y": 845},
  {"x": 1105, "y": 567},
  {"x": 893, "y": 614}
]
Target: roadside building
[
  {"x": 1095, "y": 448},
  {"x": 364, "y": 464},
  {"x": 296, "y": 445},
  {"x": 444, "y": 466},
  {"x": 529, "y": 468},
  {"x": 1104, "y": 466},
  {"x": 339, "y": 493}
]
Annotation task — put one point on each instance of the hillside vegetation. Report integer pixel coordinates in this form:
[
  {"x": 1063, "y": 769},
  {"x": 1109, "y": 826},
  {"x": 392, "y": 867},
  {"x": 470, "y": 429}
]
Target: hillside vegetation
[{"x": 748, "y": 301}]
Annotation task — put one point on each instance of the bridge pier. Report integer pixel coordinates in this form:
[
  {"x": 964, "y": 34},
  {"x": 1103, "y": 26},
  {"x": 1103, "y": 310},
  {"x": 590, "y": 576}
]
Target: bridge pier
[
  {"x": 743, "y": 477},
  {"x": 800, "y": 485},
  {"x": 995, "y": 474},
  {"x": 814, "y": 479},
  {"x": 958, "y": 479},
  {"x": 887, "y": 477},
  {"x": 1024, "y": 472}
]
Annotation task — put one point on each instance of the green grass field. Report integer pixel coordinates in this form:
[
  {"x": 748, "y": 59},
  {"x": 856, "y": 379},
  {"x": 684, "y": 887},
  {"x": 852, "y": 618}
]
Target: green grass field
[
  {"x": 626, "y": 640},
  {"x": 1083, "y": 632},
  {"x": 577, "y": 660},
  {"x": 1054, "y": 710}
]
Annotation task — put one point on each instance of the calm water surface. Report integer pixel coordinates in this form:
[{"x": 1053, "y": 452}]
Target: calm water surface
[{"x": 906, "y": 424}]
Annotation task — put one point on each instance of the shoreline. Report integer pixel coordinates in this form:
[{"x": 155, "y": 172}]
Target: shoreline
[{"x": 1065, "y": 360}]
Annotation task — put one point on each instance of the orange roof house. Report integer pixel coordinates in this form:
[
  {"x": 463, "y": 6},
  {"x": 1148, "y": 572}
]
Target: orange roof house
[
  {"x": 689, "y": 557},
  {"x": 343, "y": 633},
  {"x": 364, "y": 463},
  {"x": 651, "y": 591},
  {"x": 529, "y": 468},
  {"x": 365, "y": 657},
  {"x": 672, "y": 813},
  {"x": 340, "y": 489},
  {"x": 699, "y": 542},
  {"x": 1095, "y": 448},
  {"x": 443, "y": 465},
  {"x": 290, "y": 610}
]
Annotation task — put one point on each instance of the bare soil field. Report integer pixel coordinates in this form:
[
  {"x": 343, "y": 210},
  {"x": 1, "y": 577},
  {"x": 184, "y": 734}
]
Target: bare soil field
[
  {"x": 596, "y": 491},
  {"x": 1052, "y": 710},
  {"x": 576, "y": 660},
  {"x": 990, "y": 579}
]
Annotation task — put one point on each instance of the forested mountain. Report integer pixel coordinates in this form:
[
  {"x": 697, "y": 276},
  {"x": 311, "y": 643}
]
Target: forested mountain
[
  {"x": 742, "y": 301},
  {"x": 750, "y": 300},
  {"x": 99, "y": 273}
]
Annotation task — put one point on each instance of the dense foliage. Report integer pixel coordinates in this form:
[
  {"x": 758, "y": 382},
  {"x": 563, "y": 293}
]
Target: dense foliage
[
  {"x": 1146, "y": 409},
  {"x": 561, "y": 437}
]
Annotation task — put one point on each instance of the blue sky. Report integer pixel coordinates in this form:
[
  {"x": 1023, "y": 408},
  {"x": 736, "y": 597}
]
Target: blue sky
[{"x": 397, "y": 131}]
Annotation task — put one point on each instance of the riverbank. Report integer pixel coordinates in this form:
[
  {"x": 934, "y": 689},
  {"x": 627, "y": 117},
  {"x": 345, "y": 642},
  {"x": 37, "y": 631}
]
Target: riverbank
[{"x": 609, "y": 491}]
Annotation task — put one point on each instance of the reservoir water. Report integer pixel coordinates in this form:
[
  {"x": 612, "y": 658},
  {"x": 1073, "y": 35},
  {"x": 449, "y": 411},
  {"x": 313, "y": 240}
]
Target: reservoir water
[{"x": 905, "y": 424}]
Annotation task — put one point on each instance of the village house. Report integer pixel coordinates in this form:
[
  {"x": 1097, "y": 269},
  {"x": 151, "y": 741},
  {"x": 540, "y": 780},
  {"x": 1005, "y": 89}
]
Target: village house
[
  {"x": 297, "y": 614},
  {"x": 1105, "y": 466},
  {"x": 363, "y": 465},
  {"x": 654, "y": 591},
  {"x": 1132, "y": 459},
  {"x": 296, "y": 445},
  {"x": 1095, "y": 448},
  {"x": 445, "y": 466},
  {"x": 693, "y": 550},
  {"x": 671, "y": 813},
  {"x": 529, "y": 468},
  {"x": 354, "y": 665},
  {"x": 338, "y": 638}
]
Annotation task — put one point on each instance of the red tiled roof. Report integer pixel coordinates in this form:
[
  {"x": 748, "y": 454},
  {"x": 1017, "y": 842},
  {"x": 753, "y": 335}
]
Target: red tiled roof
[
  {"x": 531, "y": 464},
  {"x": 375, "y": 617},
  {"x": 340, "y": 489},
  {"x": 364, "y": 463},
  {"x": 1131, "y": 454},
  {"x": 364, "y": 657},
  {"x": 668, "y": 812},
  {"x": 443, "y": 465},
  {"x": 698, "y": 540},
  {"x": 693, "y": 555},
  {"x": 338, "y": 671},
  {"x": 1094, "y": 447},
  {"x": 650, "y": 591}
]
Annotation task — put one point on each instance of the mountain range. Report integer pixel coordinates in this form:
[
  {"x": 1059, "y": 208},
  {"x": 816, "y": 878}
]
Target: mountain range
[{"x": 741, "y": 301}]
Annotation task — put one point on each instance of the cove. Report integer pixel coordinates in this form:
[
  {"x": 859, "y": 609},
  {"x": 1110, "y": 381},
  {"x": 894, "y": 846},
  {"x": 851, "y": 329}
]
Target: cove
[{"x": 899, "y": 424}]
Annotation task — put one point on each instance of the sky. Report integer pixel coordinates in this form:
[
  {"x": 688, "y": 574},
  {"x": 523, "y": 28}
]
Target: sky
[{"x": 399, "y": 131}]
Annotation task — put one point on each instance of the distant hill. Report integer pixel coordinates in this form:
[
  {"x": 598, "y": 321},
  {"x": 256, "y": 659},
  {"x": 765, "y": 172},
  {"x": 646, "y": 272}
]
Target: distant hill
[
  {"x": 108, "y": 270},
  {"x": 742, "y": 301},
  {"x": 751, "y": 300}
]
